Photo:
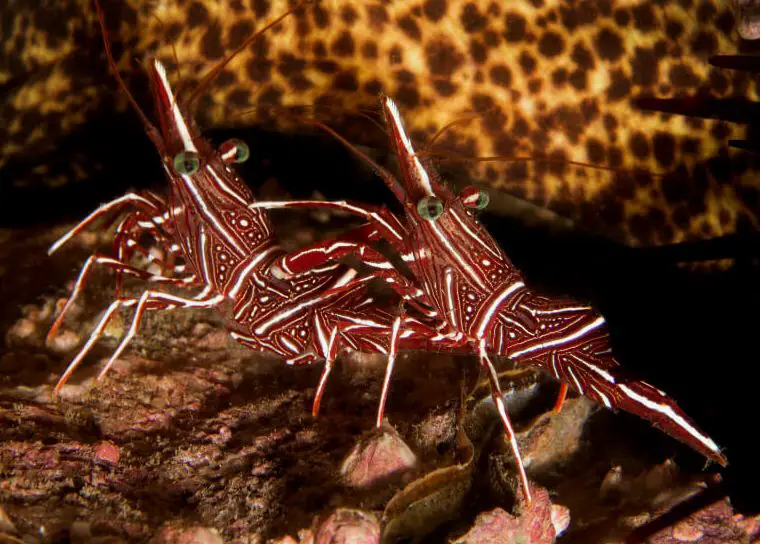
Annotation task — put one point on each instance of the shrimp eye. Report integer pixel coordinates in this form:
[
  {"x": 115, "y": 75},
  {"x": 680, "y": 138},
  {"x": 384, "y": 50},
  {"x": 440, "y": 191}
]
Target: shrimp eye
[
  {"x": 234, "y": 151},
  {"x": 475, "y": 198},
  {"x": 430, "y": 207},
  {"x": 186, "y": 162}
]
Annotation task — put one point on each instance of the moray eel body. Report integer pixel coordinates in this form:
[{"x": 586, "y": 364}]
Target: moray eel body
[{"x": 597, "y": 82}]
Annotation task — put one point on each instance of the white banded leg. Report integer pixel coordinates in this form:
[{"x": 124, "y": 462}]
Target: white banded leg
[
  {"x": 381, "y": 335},
  {"x": 381, "y": 217},
  {"x": 106, "y": 318},
  {"x": 392, "y": 353},
  {"x": 310, "y": 257},
  {"x": 94, "y": 336},
  {"x": 126, "y": 244},
  {"x": 408, "y": 292},
  {"x": 318, "y": 254},
  {"x": 499, "y": 401},
  {"x": 382, "y": 224},
  {"x": 561, "y": 396},
  {"x": 346, "y": 324},
  {"x": 98, "y": 259},
  {"x": 328, "y": 346},
  {"x": 140, "y": 202},
  {"x": 164, "y": 301}
]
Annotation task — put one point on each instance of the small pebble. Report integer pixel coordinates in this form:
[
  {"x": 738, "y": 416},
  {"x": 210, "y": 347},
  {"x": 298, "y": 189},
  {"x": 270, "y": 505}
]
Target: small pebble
[
  {"x": 223, "y": 436},
  {"x": 107, "y": 452},
  {"x": 214, "y": 340},
  {"x": 346, "y": 526},
  {"x": 65, "y": 341},
  {"x": 72, "y": 392},
  {"x": 686, "y": 531},
  {"x": 660, "y": 476},
  {"x": 377, "y": 458},
  {"x": 187, "y": 535},
  {"x": 612, "y": 482},
  {"x": 201, "y": 329},
  {"x": 21, "y": 330},
  {"x": 287, "y": 539},
  {"x": 560, "y": 518}
]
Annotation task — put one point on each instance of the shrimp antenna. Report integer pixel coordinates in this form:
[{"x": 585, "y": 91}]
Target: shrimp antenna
[
  {"x": 114, "y": 68},
  {"x": 365, "y": 113},
  {"x": 390, "y": 180}
]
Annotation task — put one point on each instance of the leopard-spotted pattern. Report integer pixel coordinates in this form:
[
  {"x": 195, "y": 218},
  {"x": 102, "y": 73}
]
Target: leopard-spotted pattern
[{"x": 557, "y": 78}]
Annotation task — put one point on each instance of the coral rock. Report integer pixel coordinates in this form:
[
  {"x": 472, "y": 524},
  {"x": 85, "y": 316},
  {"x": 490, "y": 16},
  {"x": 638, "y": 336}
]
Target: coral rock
[
  {"x": 377, "y": 459},
  {"x": 107, "y": 453},
  {"x": 187, "y": 535},
  {"x": 534, "y": 526},
  {"x": 346, "y": 526}
]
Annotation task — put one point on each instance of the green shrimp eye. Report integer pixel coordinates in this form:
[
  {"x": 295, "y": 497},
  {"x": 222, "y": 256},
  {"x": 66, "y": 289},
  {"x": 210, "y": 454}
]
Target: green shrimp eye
[
  {"x": 186, "y": 163},
  {"x": 482, "y": 201},
  {"x": 472, "y": 197},
  {"x": 430, "y": 207},
  {"x": 234, "y": 151}
]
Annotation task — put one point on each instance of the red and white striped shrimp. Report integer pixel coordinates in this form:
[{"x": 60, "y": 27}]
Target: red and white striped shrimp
[
  {"x": 230, "y": 253},
  {"x": 484, "y": 302}
]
